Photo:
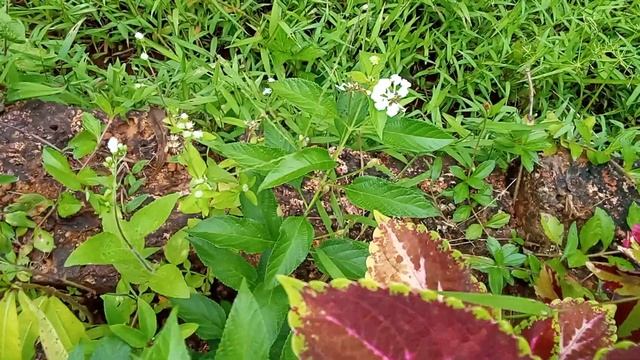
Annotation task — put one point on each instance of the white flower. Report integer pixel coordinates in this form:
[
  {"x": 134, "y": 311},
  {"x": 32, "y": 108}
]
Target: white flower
[
  {"x": 181, "y": 125},
  {"x": 271, "y": 80},
  {"x": 198, "y": 194},
  {"x": 144, "y": 56},
  {"x": 139, "y": 35},
  {"x": 365, "y": 7},
  {"x": 266, "y": 91},
  {"x": 374, "y": 59},
  {"x": 197, "y": 134},
  {"x": 187, "y": 133},
  {"x": 188, "y": 125},
  {"x": 138, "y": 86},
  {"x": 387, "y": 93},
  {"x": 341, "y": 87},
  {"x": 113, "y": 145},
  {"x": 245, "y": 187},
  {"x": 184, "y": 116}
]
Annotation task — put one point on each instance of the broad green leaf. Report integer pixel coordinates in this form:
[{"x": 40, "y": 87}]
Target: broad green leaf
[
  {"x": 82, "y": 144},
  {"x": 201, "y": 310},
  {"x": 169, "y": 343},
  {"x": 29, "y": 333},
  {"x": 147, "y": 319},
  {"x": 111, "y": 348},
  {"x": 229, "y": 267},
  {"x": 572, "y": 241},
  {"x": 51, "y": 343},
  {"x": 264, "y": 212},
  {"x": 291, "y": 248},
  {"x": 92, "y": 125},
  {"x": 245, "y": 332},
  {"x": 57, "y": 166},
  {"x": 414, "y": 135},
  {"x": 552, "y": 228},
  {"x": 307, "y": 96},
  {"x": 69, "y": 329},
  {"x": 233, "y": 233},
  {"x": 607, "y": 227},
  {"x": 10, "y": 346},
  {"x": 483, "y": 170},
  {"x": 134, "y": 337},
  {"x": 342, "y": 258},
  {"x": 43, "y": 240},
  {"x": 28, "y": 90},
  {"x": 191, "y": 157},
  {"x": 68, "y": 205},
  {"x": 473, "y": 232},
  {"x": 498, "y": 220},
  {"x": 7, "y": 179},
  {"x": 297, "y": 165},
  {"x": 19, "y": 219},
  {"x": 633, "y": 217},
  {"x": 117, "y": 308},
  {"x": 372, "y": 193},
  {"x": 167, "y": 280},
  {"x": 151, "y": 217},
  {"x": 176, "y": 250},
  {"x": 251, "y": 156}
]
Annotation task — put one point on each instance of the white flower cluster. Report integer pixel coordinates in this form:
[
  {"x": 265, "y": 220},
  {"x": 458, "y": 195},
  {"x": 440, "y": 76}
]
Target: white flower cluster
[
  {"x": 186, "y": 126},
  {"x": 117, "y": 150},
  {"x": 387, "y": 92}
]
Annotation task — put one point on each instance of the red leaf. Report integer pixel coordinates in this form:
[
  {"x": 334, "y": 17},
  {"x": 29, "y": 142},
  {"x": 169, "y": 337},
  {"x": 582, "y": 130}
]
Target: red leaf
[
  {"x": 581, "y": 327},
  {"x": 626, "y": 283},
  {"x": 360, "y": 321},
  {"x": 547, "y": 286},
  {"x": 622, "y": 351},
  {"x": 627, "y": 320},
  {"x": 406, "y": 253}
]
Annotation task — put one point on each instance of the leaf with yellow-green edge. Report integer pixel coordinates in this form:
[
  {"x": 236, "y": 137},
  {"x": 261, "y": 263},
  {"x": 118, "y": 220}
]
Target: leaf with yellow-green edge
[
  {"x": 69, "y": 329},
  {"x": 407, "y": 253},
  {"x": 622, "y": 282},
  {"x": 577, "y": 329},
  {"x": 624, "y": 350},
  {"x": 361, "y": 320},
  {"x": 10, "y": 345},
  {"x": 51, "y": 344}
]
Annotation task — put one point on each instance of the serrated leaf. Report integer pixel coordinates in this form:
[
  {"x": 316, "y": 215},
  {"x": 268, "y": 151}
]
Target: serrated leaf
[
  {"x": 414, "y": 135},
  {"x": 58, "y": 167},
  {"x": 342, "y": 258},
  {"x": 307, "y": 96},
  {"x": 149, "y": 219},
  {"x": 296, "y": 165},
  {"x": 552, "y": 227},
  {"x": 291, "y": 248},
  {"x": 245, "y": 332},
  {"x": 582, "y": 327},
  {"x": 167, "y": 280},
  {"x": 406, "y": 253},
  {"x": 622, "y": 351},
  {"x": 201, "y": 310},
  {"x": 372, "y": 193},
  {"x": 367, "y": 322},
  {"x": 229, "y": 267},
  {"x": 233, "y": 233},
  {"x": 10, "y": 345},
  {"x": 251, "y": 156}
]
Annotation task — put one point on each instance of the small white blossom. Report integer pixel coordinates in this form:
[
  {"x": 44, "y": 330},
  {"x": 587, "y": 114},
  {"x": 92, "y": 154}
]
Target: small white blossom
[
  {"x": 113, "y": 145},
  {"x": 181, "y": 125},
  {"x": 341, "y": 87},
  {"x": 187, "y": 133},
  {"x": 266, "y": 91},
  {"x": 197, "y": 134},
  {"x": 138, "y": 86},
  {"x": 387, "y": 92},
  {"x": 271, "y": 80},
  {"x": 198, "y": 194},
  {"x": 374, "y": 59},
  {"x": 365, "y": 7},
  {"x": 188, "y": 125},
  {"x": 184, "y": 116},
  {"x": 245, "y": 187},
  {"x": 139, "y": 35},
  {"x": 144, "y": 56}
]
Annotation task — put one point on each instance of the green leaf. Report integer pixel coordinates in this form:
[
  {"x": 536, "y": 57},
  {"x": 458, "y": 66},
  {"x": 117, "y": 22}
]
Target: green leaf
[
  {"x": 296, "y": 165},
  {"x": 379, "y": 120},
  {"x": 57, "y": 166},
  {"x": 307, "y": 96},
  {"x": 68, "y": 40},
  {"x": 590, "y": 233},
  {"x": 342, "y": 258},
  {"x": 462, "y": 213},
  {"x": 483, "y": 170},
  {"x": 572, "y": 241},
  {"x": 109, "y": 348},
  {"x": 149, "y": 219},
  {"x": 496, "y": 281},
  {"x": 134, "y": 337},
  {"x": 233, "y": 233},
  {"x": 92, "y": 125},
  {"x": 245, "y": 332},
  {"x": 176, "y": 250},
  {"x": 577, "y": 259},
  {"x": 50, "y": 340},
  {"x": 291, "y": 248},
  {"x": 169, "y": 343},
  {"x": 505, "y": 302},
  {"x": 460, "y": 192},
  {"x": 29, "y": 90},
  {"x": 19, "y": 219},
  {"x": 43, "y": 240},
  {"x": 7, "y": 179},
  {"x": 147, "y": 319},
  {"x": 251, "y": 156},
  {"x": 498, "y": 220},
  {"x": 201, "y": 310},
  {"x": 82, "y": 144},
  {"x": 68, "y": 205},
  {"x": 607, "y": 227},
  {"x": 10, "y": 346},
  {"x": 11, "y": 30},
  {"x": 415, "y": 136},
  {"x": 552, "y": 228},
  {"x": 167, "y": 280},
  {"x": 633, "y": 217},
  {"x": 229, "y": 267},
  {"x": 473, "y": 232},
  {"x": 372, "y": 193}
]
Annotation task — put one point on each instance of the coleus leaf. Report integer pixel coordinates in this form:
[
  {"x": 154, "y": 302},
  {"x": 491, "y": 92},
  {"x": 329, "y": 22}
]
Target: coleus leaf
[
  {"x": 622, "y": 351},
  {"x": 407, "y": 253},
  {"x": 364, "y": 321},
  {"x": 628, "y": 320},
  {"x": 622, "y": 282},
  {"x": 547, "y": 286},
  {"x": 581, "y": 327}
]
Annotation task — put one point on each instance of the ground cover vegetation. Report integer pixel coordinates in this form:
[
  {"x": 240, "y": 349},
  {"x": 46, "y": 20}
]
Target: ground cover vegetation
[{"x": 319, "y": 179}]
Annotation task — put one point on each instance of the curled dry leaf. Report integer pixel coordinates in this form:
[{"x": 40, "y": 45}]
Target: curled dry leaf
[
  {"x": 576, "y": 330},
  {"x": 547, "y": 286},
  {"x": 407, "y": 253},
  {"x": 349, "y": 320}
]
